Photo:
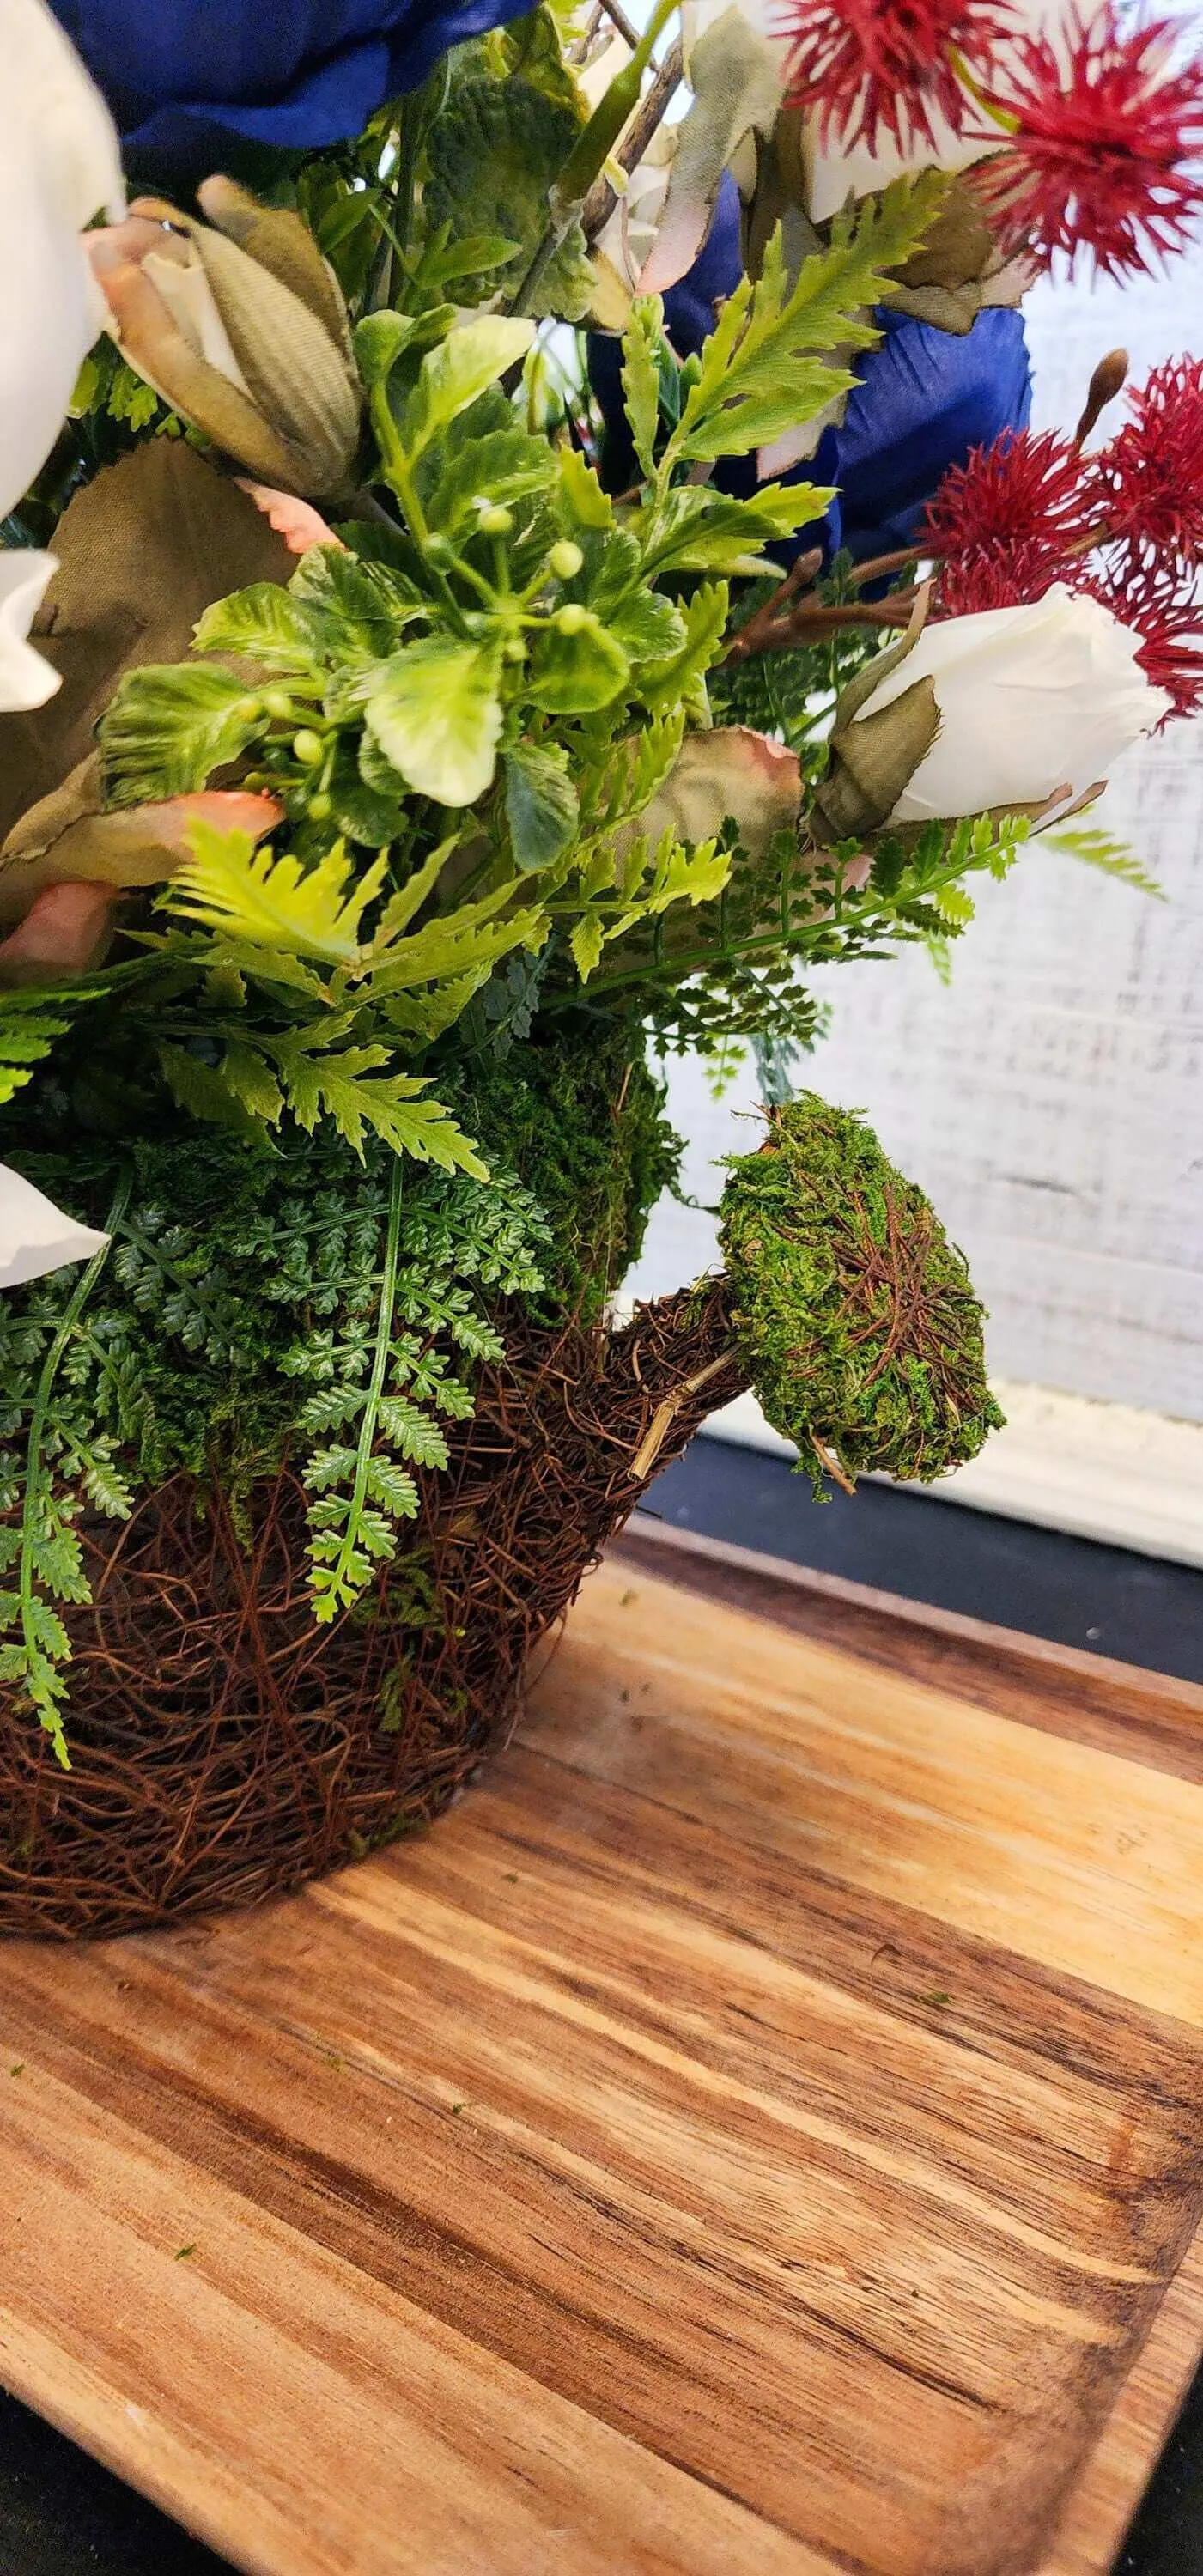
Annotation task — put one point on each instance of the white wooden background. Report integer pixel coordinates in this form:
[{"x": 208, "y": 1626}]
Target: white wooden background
[{"x": 1050, "y": 1098}]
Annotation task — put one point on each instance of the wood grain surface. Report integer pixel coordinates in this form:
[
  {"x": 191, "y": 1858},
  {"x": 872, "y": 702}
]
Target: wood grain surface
[{"x": 758, "y": 2133}]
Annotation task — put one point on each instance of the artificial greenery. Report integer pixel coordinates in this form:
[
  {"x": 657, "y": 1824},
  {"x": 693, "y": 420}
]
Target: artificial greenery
[
  {"x": 581, "y": 1120},
  {"x": 339, "y": 1095},
  {"x": 490, "y": 695},
  {"x": 306, "y": 1303},
  {"x": 855, "y": 1313}
]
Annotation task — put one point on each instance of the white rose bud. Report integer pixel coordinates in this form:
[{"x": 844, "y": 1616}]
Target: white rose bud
[{"x": 1031, "y": 700}]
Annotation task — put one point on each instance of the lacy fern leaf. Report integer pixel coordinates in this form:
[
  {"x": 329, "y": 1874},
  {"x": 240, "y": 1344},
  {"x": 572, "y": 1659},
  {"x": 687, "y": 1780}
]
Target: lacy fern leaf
[{"x": 229, "y": 884}]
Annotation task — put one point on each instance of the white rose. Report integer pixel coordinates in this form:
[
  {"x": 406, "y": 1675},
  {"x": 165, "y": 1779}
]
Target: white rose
[
  {"x": 59, "y": 164},
  {"x": 35, "y": 1236},
  {"x": 1031, "y": 700}
]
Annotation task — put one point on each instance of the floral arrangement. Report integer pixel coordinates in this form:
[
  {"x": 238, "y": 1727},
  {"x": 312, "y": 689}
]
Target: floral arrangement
[{"x": 495, "y": 600}]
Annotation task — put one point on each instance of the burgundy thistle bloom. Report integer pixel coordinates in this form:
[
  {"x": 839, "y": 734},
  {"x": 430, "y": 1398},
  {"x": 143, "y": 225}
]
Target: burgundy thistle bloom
[
  {"x": 1167, "y": 614},
  {"x": 867, "y": 66},
  {"x": 1014, "y": 519},
  {"x": 1099, "y": 153},
  {"x": 1148, "y": 482}
]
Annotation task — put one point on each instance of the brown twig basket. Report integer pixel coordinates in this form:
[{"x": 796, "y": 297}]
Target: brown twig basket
[{"x": 224, "y": 1746}]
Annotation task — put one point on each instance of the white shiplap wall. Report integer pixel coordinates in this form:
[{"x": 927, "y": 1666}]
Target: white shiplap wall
[{"x": 1050, "y": 1099}]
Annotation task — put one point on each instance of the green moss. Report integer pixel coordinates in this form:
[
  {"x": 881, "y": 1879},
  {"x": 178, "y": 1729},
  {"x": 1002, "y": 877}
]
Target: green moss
[
  {"x": 583, "y": 1126},
  {"x": 855, "y": 1313}
]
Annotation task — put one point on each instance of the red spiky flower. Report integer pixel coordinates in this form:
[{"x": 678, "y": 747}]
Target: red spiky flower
[
  {"x": 864, "y": 67},
  {"x": 1013, "y": 519},
  {"x": 1166, "y": 611},
  {"x": 1098, "y": 160},
  {"x": 1148, "y": 481}
]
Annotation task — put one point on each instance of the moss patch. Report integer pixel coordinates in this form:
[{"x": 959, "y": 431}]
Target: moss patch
[
  {"x": 583, "y": 1126},
  {"x": 855, "y": 1313}
]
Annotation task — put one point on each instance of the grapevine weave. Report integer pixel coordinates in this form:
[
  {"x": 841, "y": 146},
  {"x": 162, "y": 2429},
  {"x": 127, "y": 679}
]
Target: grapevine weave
[{"x": 223, "y": 1746}]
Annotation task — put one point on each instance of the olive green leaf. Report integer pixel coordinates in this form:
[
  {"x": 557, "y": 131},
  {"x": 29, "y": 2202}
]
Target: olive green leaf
[{"x": 541, "y": 804}]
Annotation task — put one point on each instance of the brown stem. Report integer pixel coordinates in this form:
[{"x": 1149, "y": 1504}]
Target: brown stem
[
  {"x": 877, "y": 567},
  {"x": 680, "y": 1353},
  {"x": 814, "y": 618},
  {"x": 618, "y": 18},
  {"x": 748, "y": 639},
  {"x": 650, "y": 113}
]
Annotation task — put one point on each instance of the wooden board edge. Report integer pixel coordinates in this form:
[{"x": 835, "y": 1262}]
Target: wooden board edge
[
  {"x": 1111, "y": 2483},
  {"x": 1147, "y": 1717},
  {"x": 99, "y": 2423},
  {"x": 686, "y": 1557}
]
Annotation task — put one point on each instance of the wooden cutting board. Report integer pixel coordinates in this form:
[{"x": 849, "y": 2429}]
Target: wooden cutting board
[{"x": 759, "y": 2133}]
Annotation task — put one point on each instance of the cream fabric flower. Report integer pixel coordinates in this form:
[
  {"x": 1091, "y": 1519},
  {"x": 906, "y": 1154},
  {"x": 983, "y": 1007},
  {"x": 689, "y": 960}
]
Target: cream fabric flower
[
  {"x": 35, "y": 1236},
  {"x": 1031, "y": 700},
  {"x": 25, "y": 679},
  {"x": 59, "y": 165}
]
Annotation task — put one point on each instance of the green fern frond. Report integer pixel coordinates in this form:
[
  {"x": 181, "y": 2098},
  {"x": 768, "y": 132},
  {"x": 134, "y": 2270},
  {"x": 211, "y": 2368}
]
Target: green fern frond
[
  {"x": 229, "y": 884},
  {"x": 1098, "y": 849}
]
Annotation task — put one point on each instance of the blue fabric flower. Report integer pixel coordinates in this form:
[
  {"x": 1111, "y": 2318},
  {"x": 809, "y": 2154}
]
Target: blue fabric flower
[
  {"x": 179, "y": 75},
  {"x": 923, "y": 399}
]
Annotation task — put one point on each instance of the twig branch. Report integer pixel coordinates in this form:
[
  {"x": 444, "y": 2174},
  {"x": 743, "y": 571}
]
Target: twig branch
[
  {"x": 602, "y": 198},
  {"x": 748, "y": 640},
  {"x": 878, "y": 567},
  {"x": 816, "y": 617},
  {"x": 618, "y": 18}
]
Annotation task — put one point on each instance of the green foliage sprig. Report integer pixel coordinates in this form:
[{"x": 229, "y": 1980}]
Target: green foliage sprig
[
  {"x": 302, "y": 1306},
  {"x": 518, "y": 659}
]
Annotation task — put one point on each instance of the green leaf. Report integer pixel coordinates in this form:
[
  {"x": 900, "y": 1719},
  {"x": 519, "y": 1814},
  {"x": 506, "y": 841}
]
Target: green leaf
[
  {"x": 633, "y": 771},
  {"x": 576, "y": 669},
  {"x": 437, "y": 717},
  {"x": 698, "y": 530},
  {"x": 265, "y": 623},
  {"x": 541, "y": 804},
  {"x": 583, "y": 503},
  {"x": 955, "y": 906},
  {"x": 200, "y": 1089},
  {"x": 459, "y": 943},
  {"x": 472, "y": 256},
  {"x": 455, "y": 373},
  {"x": 647, "y": 626},
  {"x": 392, "y": 1106},
  {"x": 641, "y": 376},
  {"x": 392, "y": 1488},
  {"x": 379, "y": 341},
  {"x": 408, "y": 899},
  {"x": 30, "y": 1022},
  {"x": 761, "y": 370},
  {"x": 412, "y": 1431},
  {"x": 500, "y": 148},
  {"x": 587, "y": 942},
  {"x": 681, "y": 679},
  {"x": 226, "y": 882},
  {"x": 504, "y": 466},
  {"x": 367, "y": 799},
  {"x": 360, "y": 610},
  {"x": 169, "y": 726},
  {"x": 783, "y": 508},
  {"x": 252, "y": 1081}
]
